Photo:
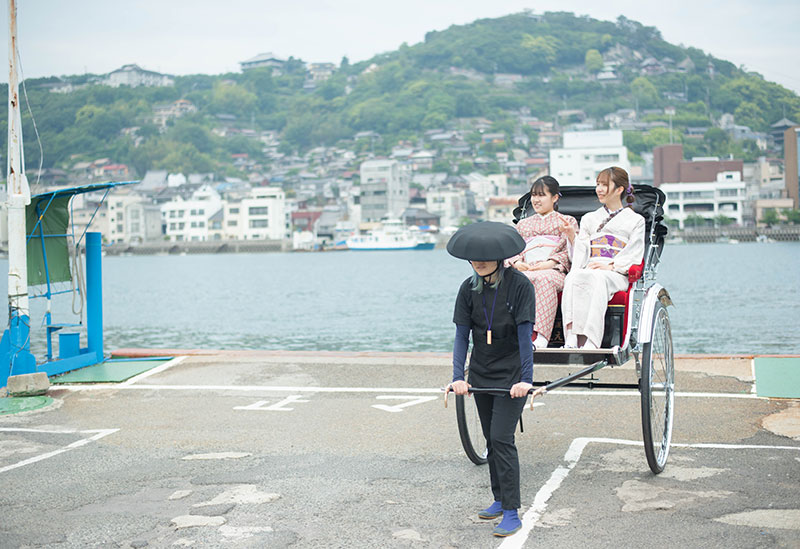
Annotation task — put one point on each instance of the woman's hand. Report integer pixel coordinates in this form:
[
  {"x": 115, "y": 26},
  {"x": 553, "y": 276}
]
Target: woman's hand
[
  {"x": 520, "y": 389},
  {"x": 543, "y": 265},
  {"x": 459, "y": 387},
  {"x": 522, "y": 266},
  {"x": 601, "y": 266},
  {"x": 568, "y": 230}
]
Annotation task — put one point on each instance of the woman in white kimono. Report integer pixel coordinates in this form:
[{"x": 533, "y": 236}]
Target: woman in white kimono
[
  {"x": 610, "y": 241},
  {"x": 546, "y": 259}
]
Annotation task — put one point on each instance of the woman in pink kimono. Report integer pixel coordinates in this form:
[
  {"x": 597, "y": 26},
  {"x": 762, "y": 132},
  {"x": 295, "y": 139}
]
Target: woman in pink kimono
[{"x": 546, "y": 259}]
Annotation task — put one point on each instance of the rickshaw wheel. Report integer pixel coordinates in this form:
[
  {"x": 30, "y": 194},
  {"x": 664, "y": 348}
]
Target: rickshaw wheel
[
  {"x": 657, "y": 387},
  {"x": 469, "y": 429}
]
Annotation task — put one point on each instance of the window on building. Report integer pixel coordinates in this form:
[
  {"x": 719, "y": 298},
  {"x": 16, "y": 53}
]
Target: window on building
[
  {"x": 606, "y": 158},
  {"x": 193, "y": 212},
  {"x": 181, "y": 212},
  {"x": 258, "y": 210},
  {"x": 181, "y": 226},
  {"x": 194, "y": 225},
  {"x": 233, "y": 210},
  {"x": 729, "y": 192},
  {"x": 135, "y": 227},
  {"x": 259, "y": 223},
  {"x": 201, "y": 211},
  {"x": 120, "y": 228},
  {"x": 232, "y": 223},
  {"x": 172, "y": 226},
  {"x": 201, "y": 224}
]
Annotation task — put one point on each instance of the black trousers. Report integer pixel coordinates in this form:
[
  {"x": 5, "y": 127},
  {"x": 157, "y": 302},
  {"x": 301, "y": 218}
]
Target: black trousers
[{"x": 499, "y": 416}]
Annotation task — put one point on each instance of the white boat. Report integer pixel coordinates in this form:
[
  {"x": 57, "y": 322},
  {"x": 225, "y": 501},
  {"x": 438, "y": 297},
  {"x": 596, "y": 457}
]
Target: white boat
[{"x": 393, "y": 236}]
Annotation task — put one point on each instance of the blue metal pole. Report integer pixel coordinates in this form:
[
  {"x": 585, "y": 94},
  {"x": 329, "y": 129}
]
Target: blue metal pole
[{"x": 94, "y": 294}]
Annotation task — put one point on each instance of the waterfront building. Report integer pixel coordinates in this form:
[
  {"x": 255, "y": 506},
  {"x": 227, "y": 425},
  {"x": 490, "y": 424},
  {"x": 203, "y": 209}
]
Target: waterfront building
[
  {"x": 261, "y": 215},
  {"x": 585, "y": 154},
  {"x": 131, "y": 218},
  {"x": 791, "y": 155},
  {"x": 384, "y": 189},
  {"x": 187, "y": 220},
  {"x": 134, "y": 76},
  {"x": 724, "y": 196}
]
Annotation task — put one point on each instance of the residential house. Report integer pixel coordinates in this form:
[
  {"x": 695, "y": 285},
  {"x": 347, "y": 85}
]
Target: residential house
[
  {"x": 264, "y": 60},
  {"x": 585, "y": 154},
  {"x": 448, "y": 203},
  {"x": 134, "y": 76}
]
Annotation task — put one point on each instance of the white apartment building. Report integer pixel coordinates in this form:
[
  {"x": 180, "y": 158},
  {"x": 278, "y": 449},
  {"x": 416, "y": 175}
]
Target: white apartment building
[
  {"x": 725, "y": 196},
  {"x": 448, "y": 203},
  {"x": 131, "y": 219},
  {"x": 384, "y": 189},
  {"x": 485, "y": 187},
  {"x": 262, "y": 215},
  {"x": 187, "y": 220},
  {"x": 586, "y": 154},
  {"x": 134, "y": 75}
]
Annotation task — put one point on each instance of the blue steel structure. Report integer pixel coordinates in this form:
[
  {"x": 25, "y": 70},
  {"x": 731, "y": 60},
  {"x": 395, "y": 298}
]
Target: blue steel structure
[{"x": 15, "y": 355}]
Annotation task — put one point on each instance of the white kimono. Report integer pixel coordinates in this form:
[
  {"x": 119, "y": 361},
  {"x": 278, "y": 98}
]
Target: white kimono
[{"x": 587, "y": 291}]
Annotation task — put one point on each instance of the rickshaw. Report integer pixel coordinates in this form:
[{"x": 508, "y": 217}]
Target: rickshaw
[{"x": 636, "y": 326}]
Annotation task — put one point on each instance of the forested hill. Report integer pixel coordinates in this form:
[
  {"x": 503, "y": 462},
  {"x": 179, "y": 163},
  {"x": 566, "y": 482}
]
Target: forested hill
[{"x": 493, "y": 69}]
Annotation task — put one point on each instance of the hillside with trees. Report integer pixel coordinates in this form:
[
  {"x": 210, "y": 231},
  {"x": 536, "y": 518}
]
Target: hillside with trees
[{"x": 491, "y": 69}]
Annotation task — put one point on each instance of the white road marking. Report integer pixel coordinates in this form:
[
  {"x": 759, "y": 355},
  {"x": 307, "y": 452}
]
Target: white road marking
[
  {"x": 277, "y": 407},
  {"x": 412, "y": 400},
  {"x": 281, "y": 389},
  {"x": 97, "y": 434},
  {"x": 157, "y": 370},
  {"x": 571, "y": 458}
]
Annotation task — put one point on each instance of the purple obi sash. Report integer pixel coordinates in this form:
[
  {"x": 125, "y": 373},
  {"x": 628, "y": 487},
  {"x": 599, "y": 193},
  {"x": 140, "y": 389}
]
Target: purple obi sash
[{"x": 606, "y": 246}]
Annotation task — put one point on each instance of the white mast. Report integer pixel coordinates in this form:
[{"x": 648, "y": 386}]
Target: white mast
[{"x": 18, "y": 192}]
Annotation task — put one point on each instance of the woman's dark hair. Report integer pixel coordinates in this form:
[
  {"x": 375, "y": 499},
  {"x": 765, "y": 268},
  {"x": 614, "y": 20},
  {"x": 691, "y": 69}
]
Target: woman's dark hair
[
  {"x": 619, "y": 178},
  {"x": 547, "y": 182}
]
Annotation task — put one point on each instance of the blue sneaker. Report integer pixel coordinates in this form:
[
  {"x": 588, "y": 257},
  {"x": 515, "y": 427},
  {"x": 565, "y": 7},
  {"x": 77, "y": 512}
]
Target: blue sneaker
[
  {"x": 509, "y": 525},
  {"x": 492, "y": 512}
]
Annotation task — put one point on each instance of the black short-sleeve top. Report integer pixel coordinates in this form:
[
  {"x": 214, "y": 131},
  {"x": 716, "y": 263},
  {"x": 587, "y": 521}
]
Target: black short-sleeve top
[{"x": 498, "y": 364}]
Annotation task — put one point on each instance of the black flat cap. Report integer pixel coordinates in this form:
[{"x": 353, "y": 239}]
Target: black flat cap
[{"x": 485, "y": 241}]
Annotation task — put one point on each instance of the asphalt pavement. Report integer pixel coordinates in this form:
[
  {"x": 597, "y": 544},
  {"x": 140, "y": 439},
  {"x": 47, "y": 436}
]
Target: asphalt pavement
[{"x": 272, "y": 449}]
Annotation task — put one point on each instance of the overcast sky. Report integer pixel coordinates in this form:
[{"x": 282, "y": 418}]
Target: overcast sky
[{"x": 62, "y": 37}]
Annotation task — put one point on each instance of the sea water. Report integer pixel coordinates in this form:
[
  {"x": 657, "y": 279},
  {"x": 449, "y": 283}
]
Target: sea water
[{"x": 729, "y": 298}]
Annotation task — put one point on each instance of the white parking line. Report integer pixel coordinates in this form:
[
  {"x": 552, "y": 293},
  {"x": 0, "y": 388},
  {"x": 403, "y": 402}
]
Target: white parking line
[
  {"x": 157, "y": 370},
  {"x": 572, "y": 456},
  {"x": 98, "y": 434}
]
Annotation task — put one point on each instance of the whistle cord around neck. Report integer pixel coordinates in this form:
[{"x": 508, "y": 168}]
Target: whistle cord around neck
[{"x": 489, "y": 319}]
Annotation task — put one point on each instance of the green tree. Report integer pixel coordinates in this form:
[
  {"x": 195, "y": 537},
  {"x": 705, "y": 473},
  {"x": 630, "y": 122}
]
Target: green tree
[
  {"x": 792, "y": 216},
  {"x": 593, "y": 61},
  {"x": 770, "y": 217},
  {"x": 717, "y": 141},
  {"x": 722, "y": 220},
  {"x": 644, "y": 92},
  {"x": 694, "y": 221}
]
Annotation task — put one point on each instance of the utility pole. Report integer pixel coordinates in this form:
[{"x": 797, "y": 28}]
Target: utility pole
[{"x": 18, "y": 195}]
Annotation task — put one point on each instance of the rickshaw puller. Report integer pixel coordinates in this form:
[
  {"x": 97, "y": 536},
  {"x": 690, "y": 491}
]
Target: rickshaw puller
[{"x": 497, "y": 306}]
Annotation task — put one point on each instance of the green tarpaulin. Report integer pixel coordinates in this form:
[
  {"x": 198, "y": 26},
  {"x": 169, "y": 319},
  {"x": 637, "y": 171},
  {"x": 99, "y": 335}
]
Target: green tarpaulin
[{"x": 55, "y": 221}]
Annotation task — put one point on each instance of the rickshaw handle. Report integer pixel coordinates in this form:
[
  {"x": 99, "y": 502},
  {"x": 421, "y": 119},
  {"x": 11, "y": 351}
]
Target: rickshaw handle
[{"x": 549, "y": 387}]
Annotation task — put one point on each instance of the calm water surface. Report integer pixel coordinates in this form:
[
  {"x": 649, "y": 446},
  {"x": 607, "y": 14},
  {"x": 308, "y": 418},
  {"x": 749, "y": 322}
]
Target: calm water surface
[{"x": 742, "y": 298}]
